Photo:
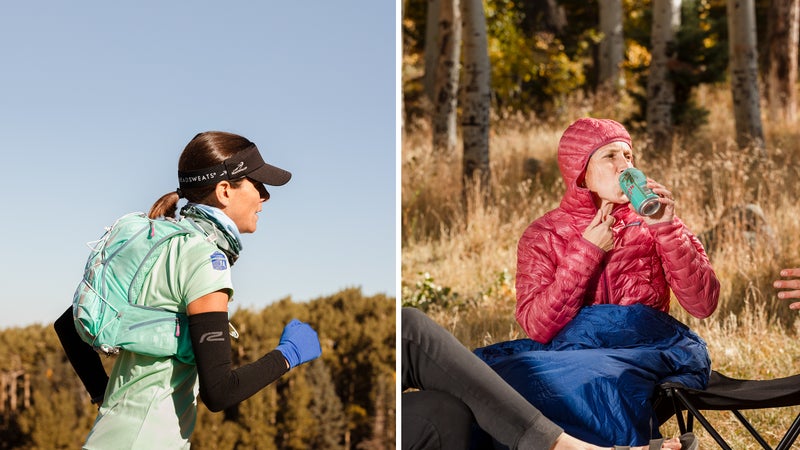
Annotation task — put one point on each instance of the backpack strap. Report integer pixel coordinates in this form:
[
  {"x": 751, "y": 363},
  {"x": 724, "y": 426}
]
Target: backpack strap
[{"x": 146, "y": 266}]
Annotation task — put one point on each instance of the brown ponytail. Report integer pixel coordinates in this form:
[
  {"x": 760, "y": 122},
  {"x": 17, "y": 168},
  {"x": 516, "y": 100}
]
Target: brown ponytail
[{"x": 166, "y": 206}]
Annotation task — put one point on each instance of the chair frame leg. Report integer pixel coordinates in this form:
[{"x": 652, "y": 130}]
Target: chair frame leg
[
  {"x": 790, "y": 436},
  {"x": 691, "y": 410},
  {"x": 752, "y": 430},
  {"x": 691, "y": 413},
  {"x": 678, "y": 414}
]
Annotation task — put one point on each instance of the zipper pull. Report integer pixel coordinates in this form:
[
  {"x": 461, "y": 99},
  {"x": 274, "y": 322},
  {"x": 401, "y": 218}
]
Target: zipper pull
[{"x": 177, "y": 327}]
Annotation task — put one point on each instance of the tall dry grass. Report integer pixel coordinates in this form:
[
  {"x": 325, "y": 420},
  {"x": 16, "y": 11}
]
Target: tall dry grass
[{"x": 459, "y": 252}]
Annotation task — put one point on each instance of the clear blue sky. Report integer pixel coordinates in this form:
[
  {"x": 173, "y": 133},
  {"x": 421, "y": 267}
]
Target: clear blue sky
[{"x": 99, "y": 98}]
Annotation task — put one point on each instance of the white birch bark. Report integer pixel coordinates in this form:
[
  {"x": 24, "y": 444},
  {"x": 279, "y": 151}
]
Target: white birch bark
[
  {"x": 444, "y": 119},
  {"x": 660, "y": 89},
  {"x": 431, "y": 47},
  {"x": 476, "y": 93},
  {"x": 744, "y": 73},
  {"x": 784, "y": 31},
  {"x": 612, "y": 47}
]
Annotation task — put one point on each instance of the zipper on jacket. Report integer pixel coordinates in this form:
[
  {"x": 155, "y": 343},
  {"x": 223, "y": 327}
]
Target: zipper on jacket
[
  {"x": 606, "y": 257},
  {"x": 604, "y": 276}
]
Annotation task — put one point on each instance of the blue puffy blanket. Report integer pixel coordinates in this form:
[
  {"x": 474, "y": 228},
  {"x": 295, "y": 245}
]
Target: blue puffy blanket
[{"x": 597, "y": 377}]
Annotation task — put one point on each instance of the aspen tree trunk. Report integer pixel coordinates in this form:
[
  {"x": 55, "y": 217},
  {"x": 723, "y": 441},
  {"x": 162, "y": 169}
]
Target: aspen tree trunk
[
  {"x": 446, "y": 87},
  {"x": 612, "y": 47},
  {"x": 476, "y": 94},
  {"x": 402, "y": 107},
  {"x": 3, "y": 392},
  {"x": 784, "y": 31},
  {"x": 744, "y": 73},
  {"x": 26, "y": 383},
  {"x": 379, "y": 423},
  {"x": 12, "y": 388},
  {"x": 431, "y": 47},
  {"x": 660, "y": 89}
]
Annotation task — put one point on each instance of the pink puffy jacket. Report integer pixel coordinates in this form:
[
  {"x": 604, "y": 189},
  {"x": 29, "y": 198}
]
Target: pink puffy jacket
[{"x": 558, "y": 271}]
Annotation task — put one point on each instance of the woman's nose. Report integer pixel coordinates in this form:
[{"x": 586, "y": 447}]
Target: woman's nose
[{"x": 263, "y": 193}]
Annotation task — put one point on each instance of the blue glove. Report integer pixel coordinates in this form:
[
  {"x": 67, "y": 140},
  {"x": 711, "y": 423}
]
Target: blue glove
[{"x": 299, "y": 343}]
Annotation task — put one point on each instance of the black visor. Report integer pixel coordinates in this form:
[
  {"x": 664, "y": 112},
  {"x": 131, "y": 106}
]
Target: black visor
[{"x": 247, "y": 163}]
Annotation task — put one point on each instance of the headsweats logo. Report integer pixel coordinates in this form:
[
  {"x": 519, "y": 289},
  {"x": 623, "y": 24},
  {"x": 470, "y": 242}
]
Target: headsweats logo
[
  {"x": 196, "y": 178},
  {"x": 239, "y": 168}
]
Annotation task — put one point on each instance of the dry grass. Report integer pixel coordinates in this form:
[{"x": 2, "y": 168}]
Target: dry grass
[{"x": 459, "y": 254}]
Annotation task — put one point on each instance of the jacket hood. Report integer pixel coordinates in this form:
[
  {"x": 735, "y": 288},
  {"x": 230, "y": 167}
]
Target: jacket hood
[{"x": 579, "y": 141}]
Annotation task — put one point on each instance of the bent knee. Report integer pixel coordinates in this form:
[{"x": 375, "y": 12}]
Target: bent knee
[{"x": 435, "y": 420}]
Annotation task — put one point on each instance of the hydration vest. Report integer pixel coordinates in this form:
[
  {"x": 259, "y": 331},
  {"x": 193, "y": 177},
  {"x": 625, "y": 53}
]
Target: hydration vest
[{"x": 104, "y": 306}]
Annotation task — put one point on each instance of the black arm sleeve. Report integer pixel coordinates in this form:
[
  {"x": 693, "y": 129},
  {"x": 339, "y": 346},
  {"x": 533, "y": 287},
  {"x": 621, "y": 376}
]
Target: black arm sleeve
[
  {"x": 220, "y": 386},
  {"x": 82, "y": 356}
]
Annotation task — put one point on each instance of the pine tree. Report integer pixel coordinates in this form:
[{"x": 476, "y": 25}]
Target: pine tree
[
  {"x": 295, "y": 422},
  {"x": 326, "y": 409}
]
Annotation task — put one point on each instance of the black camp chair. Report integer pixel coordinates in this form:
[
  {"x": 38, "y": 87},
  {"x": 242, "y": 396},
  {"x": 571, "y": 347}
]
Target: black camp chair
[{"x": 729, "y": 394}]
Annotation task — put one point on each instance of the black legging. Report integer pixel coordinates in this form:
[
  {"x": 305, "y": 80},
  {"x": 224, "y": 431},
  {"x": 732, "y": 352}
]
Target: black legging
[{"x": 457, "y": 389}]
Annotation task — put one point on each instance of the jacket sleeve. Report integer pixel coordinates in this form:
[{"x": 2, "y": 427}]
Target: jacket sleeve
[
  {"x": 550, "y": 289},
  {"x": 687, "y": 268}
]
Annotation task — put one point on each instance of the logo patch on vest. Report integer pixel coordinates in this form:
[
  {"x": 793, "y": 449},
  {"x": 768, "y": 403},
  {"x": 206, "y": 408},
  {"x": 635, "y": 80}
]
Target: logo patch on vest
[{"x": 218, "y": 261}]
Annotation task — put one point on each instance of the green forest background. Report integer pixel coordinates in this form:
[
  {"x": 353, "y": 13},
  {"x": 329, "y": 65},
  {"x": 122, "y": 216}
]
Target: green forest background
[{"x": 343, "y": 400}]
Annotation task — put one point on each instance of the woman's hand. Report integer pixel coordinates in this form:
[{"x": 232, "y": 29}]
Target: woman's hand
[
  {"x": 599, "y": 230},
  {"x": 792, "y": 286},
  {"x": 667, "y": 211}
]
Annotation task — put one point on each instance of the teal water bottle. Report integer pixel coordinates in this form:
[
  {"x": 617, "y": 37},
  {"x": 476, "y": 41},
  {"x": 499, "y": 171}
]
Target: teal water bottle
[{"x": 634, "y": 185}]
